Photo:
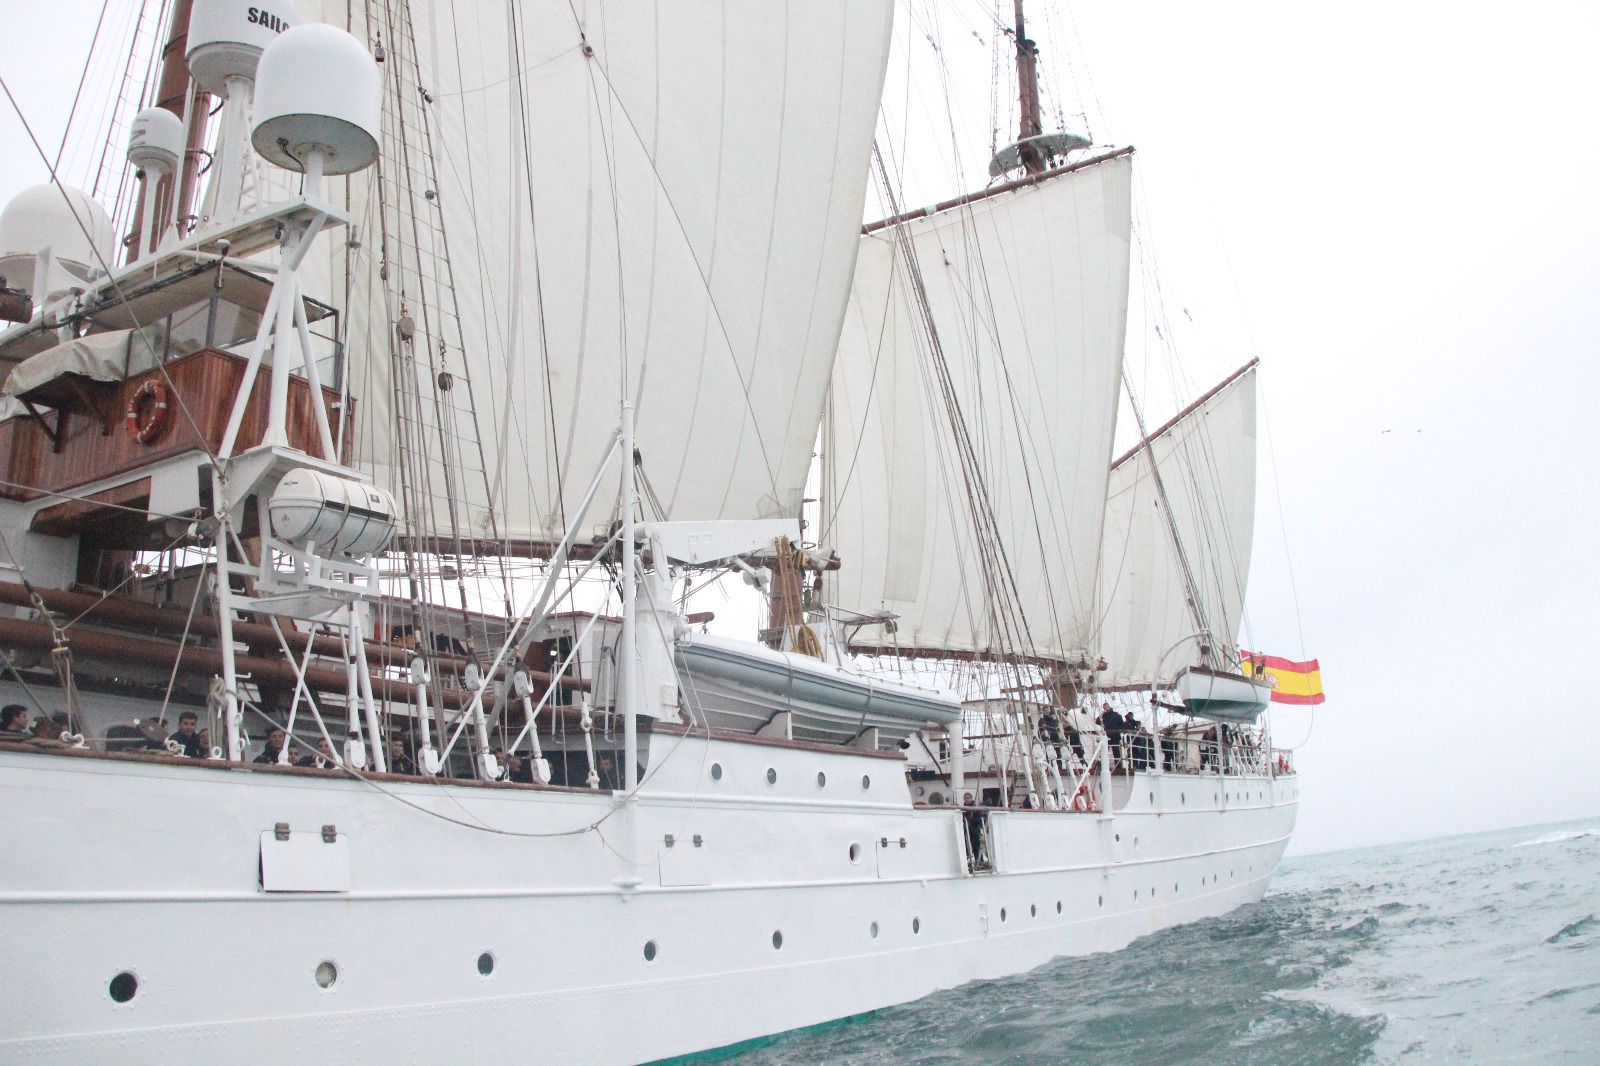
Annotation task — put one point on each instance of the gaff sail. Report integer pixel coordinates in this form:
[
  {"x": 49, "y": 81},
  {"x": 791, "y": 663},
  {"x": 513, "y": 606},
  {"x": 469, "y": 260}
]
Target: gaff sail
[
  {"x": 1207, "y": 458},
  {"x": 1027, "y": 291}
]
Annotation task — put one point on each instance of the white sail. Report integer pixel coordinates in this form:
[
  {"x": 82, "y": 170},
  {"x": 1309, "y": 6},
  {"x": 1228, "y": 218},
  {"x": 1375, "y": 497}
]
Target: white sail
[
  {"x": 1028, "y": 295},
  {"x": 1207, "y": 460},
  {"x": 662, "y": 195}
]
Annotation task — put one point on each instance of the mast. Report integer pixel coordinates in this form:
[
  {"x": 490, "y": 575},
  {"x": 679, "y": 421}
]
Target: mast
[{"x": 1031, "y": 123}]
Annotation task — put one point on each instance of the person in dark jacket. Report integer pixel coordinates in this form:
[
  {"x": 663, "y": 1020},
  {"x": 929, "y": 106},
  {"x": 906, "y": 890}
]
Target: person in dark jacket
[
  {"x": 187, "y": 738},
  {"x": 1111, "y": 721},
  {"x": 273, "y": 749},
  {"x": 399, "y": 761}
]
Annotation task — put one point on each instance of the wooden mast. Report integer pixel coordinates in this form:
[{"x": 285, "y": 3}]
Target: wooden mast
[
  {"x": 1032, "y": 122},
  {"x": 172, "y": 93}
]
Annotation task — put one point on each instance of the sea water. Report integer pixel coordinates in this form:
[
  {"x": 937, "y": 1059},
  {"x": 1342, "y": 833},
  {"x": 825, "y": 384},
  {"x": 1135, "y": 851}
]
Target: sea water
[{"x": 1480, "y": 948}]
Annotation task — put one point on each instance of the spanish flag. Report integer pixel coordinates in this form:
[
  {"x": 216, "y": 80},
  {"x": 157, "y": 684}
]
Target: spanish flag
[{"x": 1293, "y": 682}]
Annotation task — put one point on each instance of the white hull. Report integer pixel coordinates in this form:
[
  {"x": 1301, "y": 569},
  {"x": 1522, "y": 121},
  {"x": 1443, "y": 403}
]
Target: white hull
[{"x": 110, "y": 866}]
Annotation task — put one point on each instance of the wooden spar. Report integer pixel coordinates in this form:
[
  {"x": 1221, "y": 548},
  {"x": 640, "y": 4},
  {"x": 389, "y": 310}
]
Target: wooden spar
[
  {"x": 1030, "y": 124},
  {"x": 126, "y": 648},
  {"x": 121, "y": 611},
  {"x": 1171, "y": 423},
  {"x": 903, "y": 652},
  {"x": 1010, "y": 186}
]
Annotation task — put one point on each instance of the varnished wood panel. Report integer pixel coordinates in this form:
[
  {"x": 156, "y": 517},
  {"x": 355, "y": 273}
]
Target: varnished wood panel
[{"x": 203, "y": 385}]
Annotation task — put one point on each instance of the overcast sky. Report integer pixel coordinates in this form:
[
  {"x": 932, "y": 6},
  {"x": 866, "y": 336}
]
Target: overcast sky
[{"x": 1395, "y": 206}]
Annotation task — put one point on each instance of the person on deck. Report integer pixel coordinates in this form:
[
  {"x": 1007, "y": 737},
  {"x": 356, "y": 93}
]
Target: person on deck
[
  {"x": 273, "y": 749},
  {"x": 1112, "y": 722},
  {"x": 1137, "y": 757},
  {"x": 322, "y": 760},
  {"x": 609, "y": 778},
  {"x": 14, "y": 723},
  {"x": 187, "y": 738},
  {"x": 1050, "y": 732},
  {"x": 399, "y": 761}
]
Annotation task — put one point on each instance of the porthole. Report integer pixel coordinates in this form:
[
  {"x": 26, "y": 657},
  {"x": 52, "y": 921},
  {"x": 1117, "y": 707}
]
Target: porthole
[
  {"x": 1119, "y": 837},
  {"x": 123, "y": 987},
  {"x": 916, "y": 925},
  {"x": 873, "y": 929},
  {"x": 486, "y": 963},
  {"x": 1152, "y": 799},
  {"x": 1136, "y": 893},
  {"x": 1152, "y": 891},
  {"x": 1058, "y": 906},
  {"x": 1099, "y": 901},
  {"x": 1183, "y": 797},
  {"x": 649, "y": 951},
  {"x": 326, "y": 974},
  {"x": 1033, "y": 910},
  {"x": 855, "y": 852},
  {"x": 772, "y": 776},
  {"x": 1002, "y": 914},
  {"x": 777, "y": 939},
  {"x": 1174, "y": 888},
  {"x": 1135, "y": 841},
  {"x": 822, "y": 779},
  {"x": 716, "y": 771},
  {"x": 866, "y": 782}
]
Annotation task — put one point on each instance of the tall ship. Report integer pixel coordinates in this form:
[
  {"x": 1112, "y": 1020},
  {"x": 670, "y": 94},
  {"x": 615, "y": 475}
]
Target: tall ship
[{"x": 380, "y": 438}]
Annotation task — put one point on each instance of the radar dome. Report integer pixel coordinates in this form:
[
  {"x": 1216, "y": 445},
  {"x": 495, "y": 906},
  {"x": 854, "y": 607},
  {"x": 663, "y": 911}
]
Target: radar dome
[
  {"x": 157, "y": 139},
  {"x": 49, "y": 216},
  {"x": 317, "y": 89},
  {"x": 226, "y": 38}
]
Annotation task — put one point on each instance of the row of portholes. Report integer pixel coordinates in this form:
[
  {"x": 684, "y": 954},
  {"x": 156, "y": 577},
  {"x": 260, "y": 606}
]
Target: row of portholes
[
  {"x": 651, "y": 950},
  {"x": 125, "y": 985},
  {"x": 1235, "y": 797},
  {"x": 772, "y": 777}
]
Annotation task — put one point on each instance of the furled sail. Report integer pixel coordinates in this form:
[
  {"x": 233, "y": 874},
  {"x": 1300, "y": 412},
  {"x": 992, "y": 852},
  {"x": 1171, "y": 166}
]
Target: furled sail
[
  {"x": 657, "y": 199},
  {"x": 1207, "y": 460},
  {"x": 1027, "y": 293}
]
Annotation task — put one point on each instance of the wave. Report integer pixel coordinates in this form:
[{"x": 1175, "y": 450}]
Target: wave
[
  {"x": 1571, "y": 929},
  {"x": 1560, "y": 835}
]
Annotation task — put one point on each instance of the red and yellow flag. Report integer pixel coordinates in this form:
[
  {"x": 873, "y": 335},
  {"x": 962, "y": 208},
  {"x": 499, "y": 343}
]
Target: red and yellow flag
[{"x": 1296, "y": 682}]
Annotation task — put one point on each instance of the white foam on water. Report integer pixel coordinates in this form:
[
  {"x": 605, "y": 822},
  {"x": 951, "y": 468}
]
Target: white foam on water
[{"x": 1560, "y": 835}]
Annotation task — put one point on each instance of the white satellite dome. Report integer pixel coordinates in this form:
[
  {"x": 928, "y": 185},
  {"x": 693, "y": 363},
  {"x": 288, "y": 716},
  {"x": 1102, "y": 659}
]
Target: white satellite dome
[
  {"x": 48, "y": 216},
  {"x": 226, "y": 38},
  {"x": 317, "y": 89},
  {"x": 156, "y": 140}
]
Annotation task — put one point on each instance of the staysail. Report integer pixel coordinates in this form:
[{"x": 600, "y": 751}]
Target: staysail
[
  {"x": 1207, "y": 460},
  {"x": 661, "y": 200},
  {"x": 1027, "y": 294}
]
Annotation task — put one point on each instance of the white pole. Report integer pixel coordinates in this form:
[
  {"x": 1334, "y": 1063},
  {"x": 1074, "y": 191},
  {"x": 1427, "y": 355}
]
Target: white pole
[
  {"x": 358, "y": 652},
  {"x": 1105, "y": 774},
  {"x": 628, "y": 652},
  {"x": 230, "y": 677},
  {"x": 958, "y": 769}
]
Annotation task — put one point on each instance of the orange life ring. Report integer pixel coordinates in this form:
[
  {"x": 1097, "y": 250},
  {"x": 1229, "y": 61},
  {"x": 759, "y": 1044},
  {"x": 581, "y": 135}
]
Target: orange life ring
[
  {"x": 1080, "y": 800},
  {"x": 148, "y": 411}
]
